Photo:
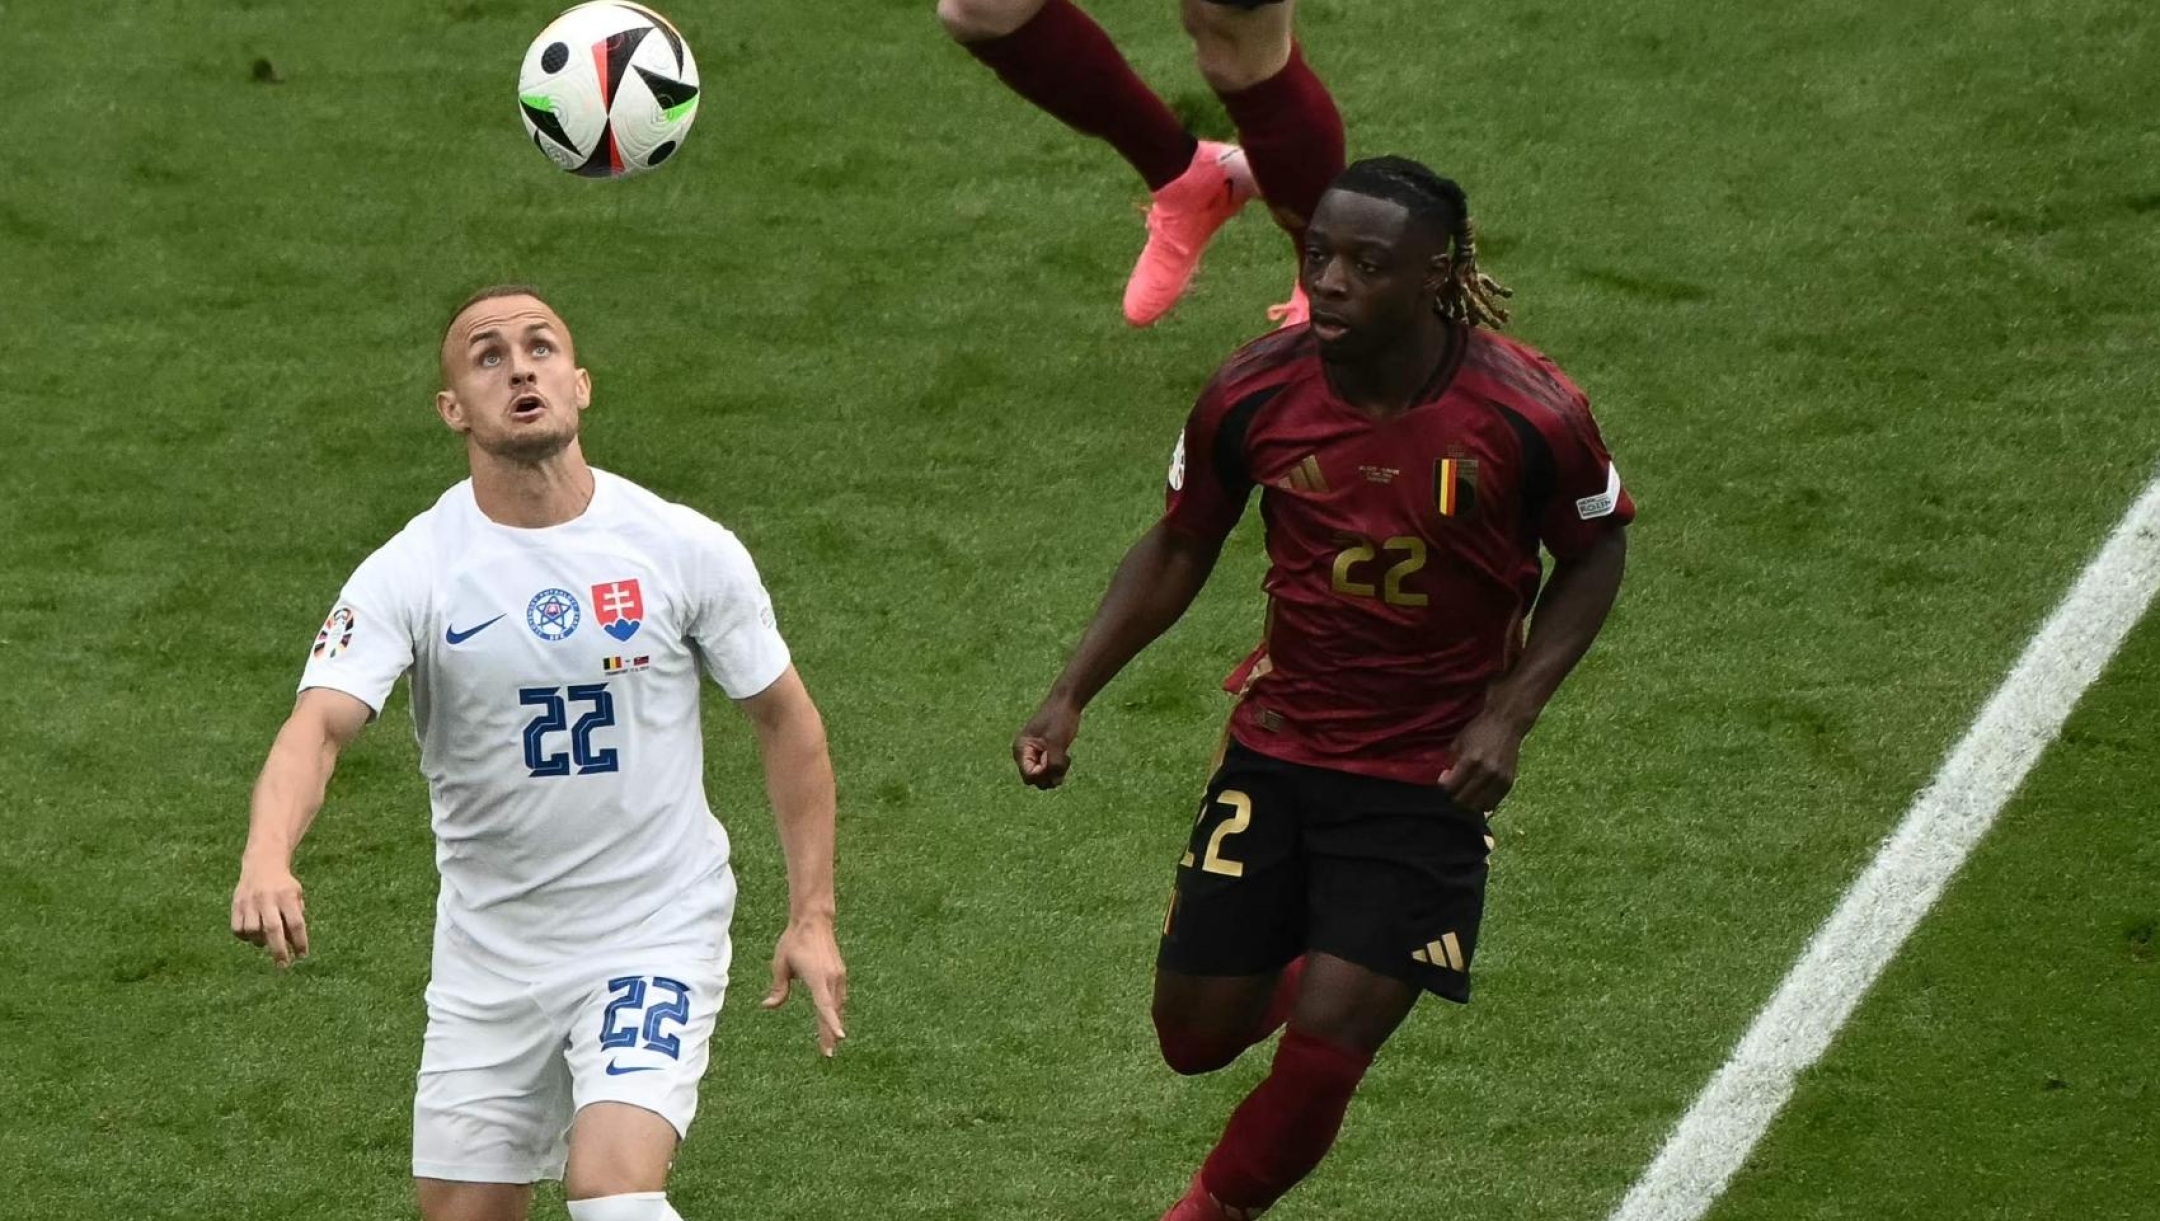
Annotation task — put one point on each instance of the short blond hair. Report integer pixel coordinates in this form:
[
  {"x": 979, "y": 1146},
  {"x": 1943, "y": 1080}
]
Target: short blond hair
[{"x": 490, "y": 293}]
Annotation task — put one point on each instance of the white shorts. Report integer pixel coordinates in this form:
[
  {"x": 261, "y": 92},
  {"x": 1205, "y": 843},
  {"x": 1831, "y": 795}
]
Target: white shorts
[{"x": 508, "y": 1063}]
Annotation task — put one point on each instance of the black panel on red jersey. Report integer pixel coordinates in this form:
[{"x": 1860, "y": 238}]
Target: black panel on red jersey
[
  {"x": 1230, "y": 440},
  {"x": 1540, "y": 477}
]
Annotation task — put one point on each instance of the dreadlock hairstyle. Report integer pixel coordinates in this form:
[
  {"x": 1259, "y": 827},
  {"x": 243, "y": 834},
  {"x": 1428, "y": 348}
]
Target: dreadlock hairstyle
[{"x": 1470, "y": 297}]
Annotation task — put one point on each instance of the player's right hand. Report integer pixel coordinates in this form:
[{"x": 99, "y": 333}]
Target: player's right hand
[
  {"x": 269, "y": 910},
  {"x": 1043, "y": 750}
]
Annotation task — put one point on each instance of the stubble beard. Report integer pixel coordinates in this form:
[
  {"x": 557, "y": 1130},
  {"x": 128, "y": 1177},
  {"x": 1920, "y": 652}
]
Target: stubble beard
[{"x": 530, "y": 449}]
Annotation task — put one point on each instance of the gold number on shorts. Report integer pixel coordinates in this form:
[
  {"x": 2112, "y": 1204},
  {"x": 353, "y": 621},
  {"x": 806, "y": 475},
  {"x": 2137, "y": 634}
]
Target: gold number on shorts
[
  {"x": 1240, "y": 818},
  {"x": 1391, "y": 590}
]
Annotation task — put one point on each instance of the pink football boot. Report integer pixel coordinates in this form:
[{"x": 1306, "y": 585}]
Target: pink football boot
[{"x": 1184, "y": 215}]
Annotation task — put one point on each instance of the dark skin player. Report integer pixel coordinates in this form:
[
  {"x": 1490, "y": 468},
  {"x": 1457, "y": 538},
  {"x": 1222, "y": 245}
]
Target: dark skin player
[{"x": 1373, "y": 273}]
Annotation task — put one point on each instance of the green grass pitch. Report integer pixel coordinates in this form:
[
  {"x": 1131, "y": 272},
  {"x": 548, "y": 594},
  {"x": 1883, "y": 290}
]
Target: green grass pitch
[{"x": 1863, "y": 293}]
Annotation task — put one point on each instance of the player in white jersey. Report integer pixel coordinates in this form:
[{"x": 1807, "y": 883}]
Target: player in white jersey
[{"x": 554, "y": 620}]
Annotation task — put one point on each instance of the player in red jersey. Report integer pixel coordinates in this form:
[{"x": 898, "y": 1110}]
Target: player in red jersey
[
  {"x": 1054, "y": 55},
  {"x": 1410, "y": 463}
]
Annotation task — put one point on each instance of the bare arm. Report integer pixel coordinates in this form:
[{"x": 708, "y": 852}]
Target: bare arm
[
  {"x": 799, "y": 781},
  {"x": 268, "y": 907},
  {"x": 1571, "y": 610},
  {"x": 1152, "y": 588}
]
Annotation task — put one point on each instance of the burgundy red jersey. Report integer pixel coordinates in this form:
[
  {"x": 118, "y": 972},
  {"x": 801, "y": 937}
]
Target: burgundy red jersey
[{"x": 1403, "y": 553}]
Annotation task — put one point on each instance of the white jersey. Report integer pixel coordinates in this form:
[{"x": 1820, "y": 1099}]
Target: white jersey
[{"x": 555, "y": 697}]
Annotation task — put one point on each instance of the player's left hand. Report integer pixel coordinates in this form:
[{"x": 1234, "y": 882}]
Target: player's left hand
[
  {"x": 808, "y": 951},
  {"x": 1485, "y": 756}
]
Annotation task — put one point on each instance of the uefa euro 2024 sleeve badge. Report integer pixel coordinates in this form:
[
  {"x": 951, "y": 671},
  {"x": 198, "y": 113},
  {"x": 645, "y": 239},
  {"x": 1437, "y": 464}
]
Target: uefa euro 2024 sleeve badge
[
  {"x": 553, "y": 614},
  {"x": 336, "y": 634}
]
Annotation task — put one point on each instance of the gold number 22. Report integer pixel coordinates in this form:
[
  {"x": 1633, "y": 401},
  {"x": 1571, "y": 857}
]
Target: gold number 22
[
  {"x": 1391, "y": 590},
  {"x": 1240, "y": 818}
]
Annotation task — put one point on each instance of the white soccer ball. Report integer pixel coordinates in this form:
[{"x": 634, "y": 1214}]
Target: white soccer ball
[{"x": 609, "y": 89}]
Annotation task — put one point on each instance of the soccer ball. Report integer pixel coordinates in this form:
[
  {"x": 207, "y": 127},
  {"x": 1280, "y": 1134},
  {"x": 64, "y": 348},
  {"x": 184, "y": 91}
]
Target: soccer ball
[{"x": 608, "y": 90}]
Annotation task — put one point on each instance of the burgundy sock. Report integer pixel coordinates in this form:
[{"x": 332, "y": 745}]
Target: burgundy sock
[
  {"x": 1064, "y": 63},
  {"x": 1286, "y": 1125},
  {"x": 1293, "y": 138}
]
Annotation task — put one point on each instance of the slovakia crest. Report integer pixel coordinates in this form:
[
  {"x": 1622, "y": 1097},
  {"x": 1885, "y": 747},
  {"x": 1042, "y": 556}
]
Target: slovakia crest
[{"x": 620, "y": 608}]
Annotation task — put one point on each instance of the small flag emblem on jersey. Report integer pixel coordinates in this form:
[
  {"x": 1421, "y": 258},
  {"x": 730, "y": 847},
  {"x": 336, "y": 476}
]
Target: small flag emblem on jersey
[
  {"x": 623, "y": 665},
  {"x": 1455, "y": 486},
  {"x": 620, "y": 608}
]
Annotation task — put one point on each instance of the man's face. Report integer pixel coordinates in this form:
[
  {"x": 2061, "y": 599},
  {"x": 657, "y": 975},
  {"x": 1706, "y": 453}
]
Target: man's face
[
  {"x": 510, "y": 379},
  {"x": 1370, "y": 271}
]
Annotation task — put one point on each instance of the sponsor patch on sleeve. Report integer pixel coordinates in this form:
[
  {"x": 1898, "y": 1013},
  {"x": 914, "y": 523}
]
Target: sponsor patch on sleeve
[
  {"x": 1177, "y": 465},
  {"x": 1590, "y": 508}
]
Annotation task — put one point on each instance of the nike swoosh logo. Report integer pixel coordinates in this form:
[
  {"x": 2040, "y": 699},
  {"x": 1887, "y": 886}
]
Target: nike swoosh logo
[
  {"x": 455, "y": 636},
  {"x": 615, "y": 1070}
]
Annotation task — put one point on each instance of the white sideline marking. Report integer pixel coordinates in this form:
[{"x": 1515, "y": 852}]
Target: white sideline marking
[{"x": 1908, "y": 874}]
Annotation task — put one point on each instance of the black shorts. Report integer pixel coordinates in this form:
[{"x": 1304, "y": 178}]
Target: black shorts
[{"x": 1286, "y": 858}]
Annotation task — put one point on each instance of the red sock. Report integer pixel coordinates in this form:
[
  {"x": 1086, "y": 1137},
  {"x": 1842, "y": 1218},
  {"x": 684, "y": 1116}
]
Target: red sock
[
  {"x": 1286, "y": 1125},
  {"x": 1293, "y": 138},
  {"x": 1063, "y": 62}
]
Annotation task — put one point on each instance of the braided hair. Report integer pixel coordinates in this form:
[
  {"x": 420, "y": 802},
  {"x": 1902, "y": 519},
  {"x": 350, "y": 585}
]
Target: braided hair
[{"x": 1470, "y": 297}]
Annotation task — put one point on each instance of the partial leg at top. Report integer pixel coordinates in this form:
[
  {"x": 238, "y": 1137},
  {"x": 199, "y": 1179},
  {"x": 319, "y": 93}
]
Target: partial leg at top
[
  {"x": 1054, "y": 55},
  {"x": 1286, "y": 121},
  {"x": 1239, "y": 43}
]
